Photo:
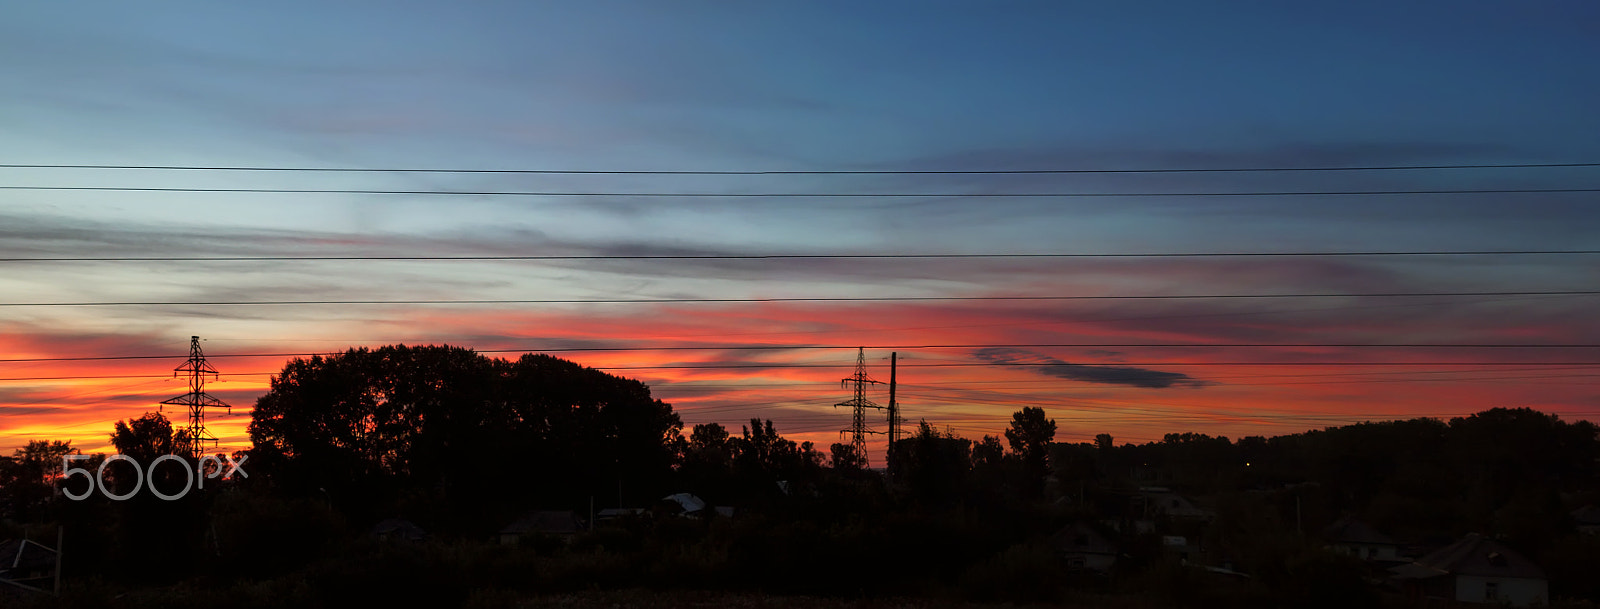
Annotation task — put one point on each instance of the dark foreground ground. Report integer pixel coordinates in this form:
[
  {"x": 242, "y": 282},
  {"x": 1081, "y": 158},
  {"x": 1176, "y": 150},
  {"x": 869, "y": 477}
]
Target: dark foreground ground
[{"x": 612, "y": 599}]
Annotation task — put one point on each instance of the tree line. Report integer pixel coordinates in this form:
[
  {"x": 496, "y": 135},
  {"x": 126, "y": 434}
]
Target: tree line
[{"x": 461, "y": 444}]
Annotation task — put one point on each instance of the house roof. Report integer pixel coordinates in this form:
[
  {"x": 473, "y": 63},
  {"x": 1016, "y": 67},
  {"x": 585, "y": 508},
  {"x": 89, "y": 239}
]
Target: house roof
[
  {"x": 399, "y": 527},
  {"x": 1080, "y": 537},
  {"x": 689, "y": 503},
  {"x": 1350, "y": 530},
  {"x": 1172, "y": 504},
  {"x": 543, "y": 521},
  {"x": 1472, "y": 555}
]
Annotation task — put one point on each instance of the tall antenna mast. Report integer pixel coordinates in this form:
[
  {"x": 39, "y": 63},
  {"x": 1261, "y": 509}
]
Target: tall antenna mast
[
  {"x": 195, "y": 435},
  {"x": 859, "y": 404}
]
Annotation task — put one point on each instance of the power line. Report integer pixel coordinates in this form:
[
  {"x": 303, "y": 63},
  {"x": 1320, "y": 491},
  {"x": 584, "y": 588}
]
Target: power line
[
  {"x": 785, "y": 365},
  {"x": 961, "y": 384},
  {"x": 566, "y": 257},
  {"x": 812, "y": 385},
  {"x": 1036, "y": 322},
  {"x": 1121, "y": 408},
  {"x": 783, "y": 195},
  {"x": 855, "y": 331},
  {"x": 120, "y": 376},
  {"x": 12, "y": 408},
  {"x": 834, "y": 347},
  {"x": 1103, "y": 364},
  {"x": 1043, "y": 345},
  {"x": 1476, "y": 379},
  {"x": 1058, "y": 380},
  {"x": 804, "y": 172},
  {"x": 1118, "y": 409},
  {"x": 972, "y": 395},
  {"x": 787, "y": 299}
]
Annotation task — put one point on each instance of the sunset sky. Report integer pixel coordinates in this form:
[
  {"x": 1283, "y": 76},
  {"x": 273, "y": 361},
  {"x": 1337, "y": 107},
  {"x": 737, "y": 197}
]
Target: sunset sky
[{"x": 897, "y": 88}]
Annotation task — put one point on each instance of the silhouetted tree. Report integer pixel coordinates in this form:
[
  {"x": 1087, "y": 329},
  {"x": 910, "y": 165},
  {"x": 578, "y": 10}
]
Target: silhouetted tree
[
  {"x": 596, "y": 429},
  {"x": 810, "y": 456},
  {"x": 27, "y": 478},
  {"x": 708, "y": 462},
  {"x": 934, "y": 466},
  {"x": 987, "y": 453},
  {"x": 445, "y": 423},
  {"x": 1030, "y": 435},
  {"x": 1074, "y": 464},
  {"x": 993, "y": 475},
  {"x": 144, "y": 438},
  {"x": 709, "y": 438},
  {"x": 1104, "y": 442},
  {"x": 762, "y": 450},
  {"x": 150, "y": 532}
]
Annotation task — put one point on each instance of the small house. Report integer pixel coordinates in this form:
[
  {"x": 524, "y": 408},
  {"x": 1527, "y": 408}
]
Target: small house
[
  {"x": 1475, "y": 569},
  {"x": 1155, "y": 501},
  {"x": 682, "y": 504},
  {"x": 689, "y": 506},
  {"x": 1084, "y": 548},
  {"x": 1353, "y": 537},
  {"x": 553, "y": 523},
  {"x": 609, "y": 514},
  {"x": 398, "y": 529}
]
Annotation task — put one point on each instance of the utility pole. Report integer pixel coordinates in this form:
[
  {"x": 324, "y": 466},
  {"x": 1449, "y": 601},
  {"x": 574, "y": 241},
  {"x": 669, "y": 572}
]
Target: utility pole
[
  {"x": 195, "y": 435},
  {"x": 858, "y": 405},
  {"x": 894, "y": 410}
]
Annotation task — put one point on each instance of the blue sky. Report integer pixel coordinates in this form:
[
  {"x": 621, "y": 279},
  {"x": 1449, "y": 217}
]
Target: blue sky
[
  {"x": 772, "y": 86},
  {"x": 812, "y": 84}
]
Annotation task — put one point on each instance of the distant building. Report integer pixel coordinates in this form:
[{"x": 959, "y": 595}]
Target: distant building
[
  {"x": 688, "y": 505},
  {"x": 683, "y": 504},
  {"x": 1084, "y": 548},
  {"x": 1353, "y": 537},
  {"x": 1150, "y": 474},
  {"x": 554, "y": 523},
  {"x": 398, "y": 529},
  {"x": 1475, "y": 570},
  {"x": 616, "y": 513},
  {"x": 1154, "y": 501}
]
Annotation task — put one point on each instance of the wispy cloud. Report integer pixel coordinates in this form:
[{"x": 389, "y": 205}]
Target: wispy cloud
[{"x": 1109, "y": 375}]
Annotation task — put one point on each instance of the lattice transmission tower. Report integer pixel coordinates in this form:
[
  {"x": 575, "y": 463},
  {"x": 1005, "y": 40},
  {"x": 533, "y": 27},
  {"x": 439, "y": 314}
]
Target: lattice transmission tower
[
  {"x": 858, "y": 405},
  {"x": 195, "y": 435}
]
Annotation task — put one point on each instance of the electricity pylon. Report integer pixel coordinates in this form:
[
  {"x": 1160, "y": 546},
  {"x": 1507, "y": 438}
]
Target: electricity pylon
[
  {"x": 858, "y": 405},
  {"x": 195, "y": 435}
]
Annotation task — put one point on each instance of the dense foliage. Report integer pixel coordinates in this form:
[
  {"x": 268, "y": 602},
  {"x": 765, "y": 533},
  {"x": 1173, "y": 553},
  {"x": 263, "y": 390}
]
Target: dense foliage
[{"x": 448, "y": 429}]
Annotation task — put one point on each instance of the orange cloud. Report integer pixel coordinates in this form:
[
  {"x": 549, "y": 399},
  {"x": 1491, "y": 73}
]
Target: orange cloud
[{"x": 729, "y": 363}]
